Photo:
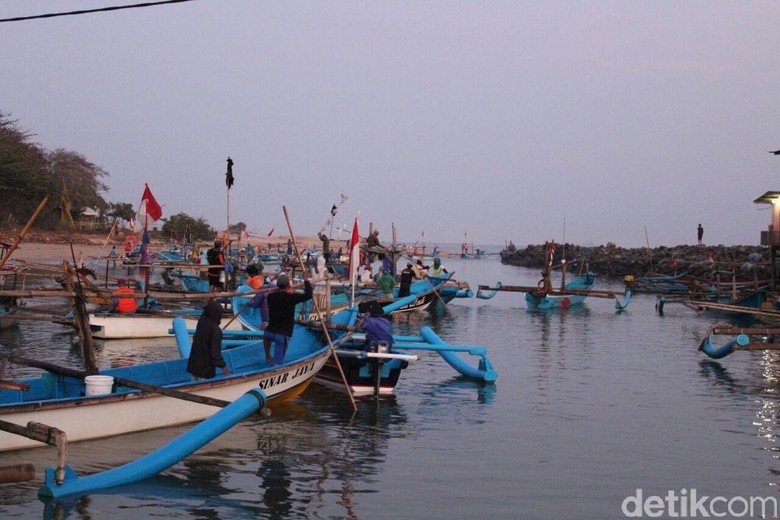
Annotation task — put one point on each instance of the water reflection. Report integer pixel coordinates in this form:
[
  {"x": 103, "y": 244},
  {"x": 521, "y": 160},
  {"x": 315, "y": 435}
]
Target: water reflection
[{"x": 759, "y": 389}]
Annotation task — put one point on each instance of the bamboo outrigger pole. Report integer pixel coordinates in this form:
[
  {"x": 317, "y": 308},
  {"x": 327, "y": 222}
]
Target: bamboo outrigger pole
[{"x": 319, "y": 314}]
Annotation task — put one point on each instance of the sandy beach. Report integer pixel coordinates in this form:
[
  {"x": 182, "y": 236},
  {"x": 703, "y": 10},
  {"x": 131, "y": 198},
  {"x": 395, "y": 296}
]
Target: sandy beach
[{"x": 53, "y": 247}]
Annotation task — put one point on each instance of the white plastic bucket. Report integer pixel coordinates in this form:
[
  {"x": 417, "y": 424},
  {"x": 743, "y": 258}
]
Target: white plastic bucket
[{"x": 98, "y": 385}]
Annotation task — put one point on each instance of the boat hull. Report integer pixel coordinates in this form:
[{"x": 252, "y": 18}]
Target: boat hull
[
  {"x": 361, "y": 375},
  {"x": 545, "y": 301},
  {"x": 126, "y": 410},
  {"x": 134, "y": 326}
]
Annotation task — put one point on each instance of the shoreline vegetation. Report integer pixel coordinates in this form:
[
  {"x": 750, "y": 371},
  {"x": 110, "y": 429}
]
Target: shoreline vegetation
[{"x": 743, "y": 262}]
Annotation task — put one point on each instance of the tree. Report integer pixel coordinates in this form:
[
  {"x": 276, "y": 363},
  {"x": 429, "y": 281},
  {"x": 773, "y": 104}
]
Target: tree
[
  {"x": 28, "y": 173},
  {"x": 123, "y": 210},
  {"x": 23, "y": 176},
  {"x": 187, "y": 227}
]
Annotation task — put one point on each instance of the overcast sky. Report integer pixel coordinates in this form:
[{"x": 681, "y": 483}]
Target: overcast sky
[{"x": 628, "y": 121}]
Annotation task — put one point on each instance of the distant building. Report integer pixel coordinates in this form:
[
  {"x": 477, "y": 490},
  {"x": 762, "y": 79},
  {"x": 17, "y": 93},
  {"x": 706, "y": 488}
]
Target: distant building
[{"x": 89, "y": 219}]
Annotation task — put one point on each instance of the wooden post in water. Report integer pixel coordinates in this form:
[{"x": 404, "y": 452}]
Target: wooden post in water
[{"x": 81, "y": 319}]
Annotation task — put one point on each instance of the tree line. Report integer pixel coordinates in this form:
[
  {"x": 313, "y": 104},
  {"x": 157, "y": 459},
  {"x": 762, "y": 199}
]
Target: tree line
[{"x": 29, "y": 172}]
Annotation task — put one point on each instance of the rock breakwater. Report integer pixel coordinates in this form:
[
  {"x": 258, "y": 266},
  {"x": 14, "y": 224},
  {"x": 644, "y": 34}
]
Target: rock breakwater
[{"x": 617, "y": 262}]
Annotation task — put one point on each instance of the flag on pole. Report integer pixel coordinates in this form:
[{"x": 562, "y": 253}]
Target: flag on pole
[
  {"x": 229, "y": 175},
  {"x": 354, "y": 253},
  {"x": 354, "y": 260},
  {"x": 271, "y": 232},
  {"x": 334, "y": 210},
  {"x": 149, "y": 208},
  {"x": 65, "y": 207}
]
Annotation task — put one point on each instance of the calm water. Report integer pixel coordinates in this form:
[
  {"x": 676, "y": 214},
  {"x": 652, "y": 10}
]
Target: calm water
[{"x": 590, "y": 405}]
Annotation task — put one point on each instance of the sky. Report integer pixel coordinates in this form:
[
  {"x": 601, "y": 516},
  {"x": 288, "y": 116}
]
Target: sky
[{"x": 584, "y": 121}]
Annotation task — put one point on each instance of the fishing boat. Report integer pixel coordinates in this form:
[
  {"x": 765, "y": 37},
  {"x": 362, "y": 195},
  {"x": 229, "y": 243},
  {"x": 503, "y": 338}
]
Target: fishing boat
[
  {"x": 375, "y": 371},
  {"x": 745, "y": 308},
  {"x": 573, "y": 293},
  {"x": 155, "y": 324},
  {"x": 152, "y": 395}
]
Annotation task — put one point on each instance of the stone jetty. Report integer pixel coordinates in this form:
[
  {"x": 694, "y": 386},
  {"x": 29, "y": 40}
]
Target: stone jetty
[{"x": 747, "y": 262}]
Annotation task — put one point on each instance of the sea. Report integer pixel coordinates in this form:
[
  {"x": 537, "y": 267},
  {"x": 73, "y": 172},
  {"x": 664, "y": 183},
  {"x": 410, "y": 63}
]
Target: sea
[{"x": 595, "y": 414}]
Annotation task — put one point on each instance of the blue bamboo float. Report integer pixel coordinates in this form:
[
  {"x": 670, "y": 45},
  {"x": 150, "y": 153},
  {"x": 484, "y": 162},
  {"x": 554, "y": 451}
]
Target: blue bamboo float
[
  {"x": 160, "y": 459},
  {"x": 714, "y": 352}
]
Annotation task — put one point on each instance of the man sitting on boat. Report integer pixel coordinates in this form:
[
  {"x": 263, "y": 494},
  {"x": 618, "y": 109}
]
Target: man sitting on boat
[
  {"x": 123, "y": 304},
  {"x": 377, "y": 327}
]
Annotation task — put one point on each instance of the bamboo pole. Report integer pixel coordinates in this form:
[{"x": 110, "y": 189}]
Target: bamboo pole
[
  {"x": 319, "y": 314},
  {"x": 24, "y": 232},
  {"x": 82, "y": 321}
]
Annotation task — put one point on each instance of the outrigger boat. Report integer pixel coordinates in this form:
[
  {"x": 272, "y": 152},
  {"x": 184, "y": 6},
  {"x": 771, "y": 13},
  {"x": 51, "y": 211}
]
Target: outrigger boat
[
  {"x": 544, "y": 297},
  {"x": 367, "y": 372},
  {"x": 148, "y": 396}
]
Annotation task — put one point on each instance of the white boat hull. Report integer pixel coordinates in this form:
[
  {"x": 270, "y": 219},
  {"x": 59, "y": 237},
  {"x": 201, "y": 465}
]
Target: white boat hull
[
  {"x": 142, "y": 326},
  {"x": 114, "y": 414}
]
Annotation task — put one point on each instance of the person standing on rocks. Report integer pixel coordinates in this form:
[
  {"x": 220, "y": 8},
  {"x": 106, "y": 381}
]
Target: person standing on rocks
[{"x": 700, "y": 233}]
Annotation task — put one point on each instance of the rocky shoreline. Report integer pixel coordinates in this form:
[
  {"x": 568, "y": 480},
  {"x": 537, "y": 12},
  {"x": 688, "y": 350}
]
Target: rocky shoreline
[{"x": 617, "y": 262}]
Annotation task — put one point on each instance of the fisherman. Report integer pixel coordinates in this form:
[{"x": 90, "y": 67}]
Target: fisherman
[
  {"x": 377, "y": 327},
  {"x": 215, "y": 258},
  {"x": 438, "y": 269},
  {"x": 124, "y": 304},
  {"x": 373, "y": 247},
  {"x": 385, "y": 282},
  {"x": 420, "y": 270},
  {"x": 206, "y": 351},
  {"x": 281, "y": 317},
  {"x": 254, "y": 278},
  {"x": 406, "y": 281}
]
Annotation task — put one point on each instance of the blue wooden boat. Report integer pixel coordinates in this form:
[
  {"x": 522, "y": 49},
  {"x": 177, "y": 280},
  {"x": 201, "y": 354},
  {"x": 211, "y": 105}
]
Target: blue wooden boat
[
  {"x": 61, "y": 398},
  {"x": 170, "y": 257},
  {"x": 371, "y": 372},
  {"x": 573, "y": 293}
]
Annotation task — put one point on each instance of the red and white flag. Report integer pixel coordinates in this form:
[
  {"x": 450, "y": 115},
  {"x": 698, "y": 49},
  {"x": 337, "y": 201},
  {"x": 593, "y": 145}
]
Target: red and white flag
[
  {"x": 354, "y": 253},
  {"x": 149, "y": 208}
]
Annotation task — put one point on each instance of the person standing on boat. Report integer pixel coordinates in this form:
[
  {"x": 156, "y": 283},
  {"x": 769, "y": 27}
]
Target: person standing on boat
[
  {"x": 325, "y": 247},
  {"x": 700, "y": 233},
  {"x": 385, "y": 282},
  {"x": 215, "y": 258},
  {"x": 124, "y": 304},
  {"x": 438, "y": 269},
  {"x": 206, "y": 352},
  {"x": 420, "y": 270},
  {"x": 406, "y": 280},
  {"x": 281, "y": 317},
  {"x": 373, "y": 247}
]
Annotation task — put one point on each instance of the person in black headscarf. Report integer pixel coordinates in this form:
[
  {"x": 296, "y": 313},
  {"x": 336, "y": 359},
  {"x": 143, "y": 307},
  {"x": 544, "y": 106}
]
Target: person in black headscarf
[{"x": 206, "y": 352}]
